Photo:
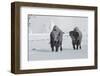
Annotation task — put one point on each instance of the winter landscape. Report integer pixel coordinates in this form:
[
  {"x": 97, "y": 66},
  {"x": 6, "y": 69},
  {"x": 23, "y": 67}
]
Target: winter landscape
[{"x": 40, "y": 26}]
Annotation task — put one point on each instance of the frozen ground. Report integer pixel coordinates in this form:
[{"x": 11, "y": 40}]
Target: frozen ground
[
  {"x": 39, "y": 47},
  {"x": 40, "y": 50}
]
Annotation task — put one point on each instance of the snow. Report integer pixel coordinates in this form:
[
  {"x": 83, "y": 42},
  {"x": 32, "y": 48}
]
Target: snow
[
  {"x": 41, "y": 50},
  {"x": 39, "y": 37}
]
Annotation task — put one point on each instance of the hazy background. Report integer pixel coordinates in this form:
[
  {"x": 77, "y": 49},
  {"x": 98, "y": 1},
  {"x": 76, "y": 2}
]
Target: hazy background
[
  {"x": 39, "y": 29},
  {"x": 44, "y": 24}
]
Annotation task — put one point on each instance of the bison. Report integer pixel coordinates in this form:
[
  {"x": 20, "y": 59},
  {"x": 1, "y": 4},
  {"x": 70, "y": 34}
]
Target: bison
[
  {"x": 76, "y": 36},
  {"x": 56, "y": 37}
]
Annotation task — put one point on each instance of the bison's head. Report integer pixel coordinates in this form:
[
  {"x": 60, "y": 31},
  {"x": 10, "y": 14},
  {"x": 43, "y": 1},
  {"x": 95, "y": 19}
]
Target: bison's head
[
  {"x": 56, "y": 36},
  {"x": 74, "y": 36}
]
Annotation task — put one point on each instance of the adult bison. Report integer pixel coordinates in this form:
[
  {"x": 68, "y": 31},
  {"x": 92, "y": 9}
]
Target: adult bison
[
  {"x": 56, "y": 37},
  {"x": 76, "y": 36}
]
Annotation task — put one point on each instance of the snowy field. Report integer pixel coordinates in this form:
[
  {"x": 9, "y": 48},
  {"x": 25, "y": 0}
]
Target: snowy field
[
  {"x": 41, "y": 50},
  {"x": 38, "y": 39}
]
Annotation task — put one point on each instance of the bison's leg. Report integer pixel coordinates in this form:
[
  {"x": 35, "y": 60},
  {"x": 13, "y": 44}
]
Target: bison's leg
[
  {"x": 77, "y": 44},
  {"x": 73, "y": 45},
  {"x": 61, "y": 46},
  {"x": 57, "y": 48},
  {"x": 52, "y": 48},
  {"x": 80, "y": 46},
  {"x": 57, "y": 45}
]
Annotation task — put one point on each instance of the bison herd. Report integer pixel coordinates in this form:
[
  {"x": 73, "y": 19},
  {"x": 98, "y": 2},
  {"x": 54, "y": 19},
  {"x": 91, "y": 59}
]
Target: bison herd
[{"x": 56, "y": 37}]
